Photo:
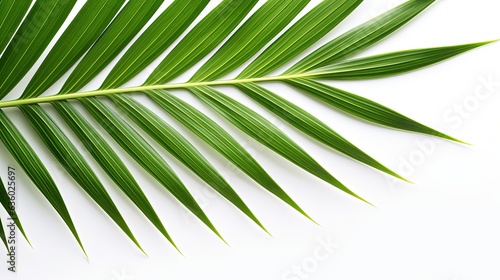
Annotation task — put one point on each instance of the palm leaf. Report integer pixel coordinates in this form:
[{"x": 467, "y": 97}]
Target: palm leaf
[
  {"x": 3, "y": 237},
  {"x": 266, "y": 133},
  {"x": 95, "y": 15},
  {"x": 221, "y": 141},
  {"x": 253, "y": 35},
  {"x": 10, "y": 208},
  {"x": 11, "y": 13},
  {"x": 109, "y": 161},
  {"x": 159, "y": 36},
  {"x": 310, "y": 125},
  {"x": 101, "y": 30},
  {"x": 202, "y": 39},
  {"x": 30, "y": 40},
  {"x": 124, "y": 27},
  {"x": 390, "y": 64},
  {"x": 305, "y": 32},
  {"x": 361, "y": 37},
  {"x": 145, "y": 155},
  {"x": 180, "y": 148},
  {"x": 5, "y": 200},
  {"x": 74, "y": 163},
  {"x": 26, "y": 157},
  {"x": 363, "y": 108}
]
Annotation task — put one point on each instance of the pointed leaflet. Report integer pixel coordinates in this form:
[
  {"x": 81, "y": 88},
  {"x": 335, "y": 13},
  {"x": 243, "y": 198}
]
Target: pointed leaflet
[
  {"x": 235, "y": 14},
  {"x": 145, "y": 155},
  {"x": 390, "y": 64},
  {"x": 117, "y": 36},
  {"x": 214, "y": 135},
  {"x": 266, "y": 133},
  {"x": 34, "y": 168},
  {"x": 128, "y": 22},
  {"x": 252, "y": 36},
  {"x": 74, "y": 163},
  {"x": 77, "y": 38},
  {"x": 31, "y": 39},
  {"x": 305, "y": 32},
  {"x": 133, "y": 15},
  {"x": 184, "y": 150},
  {"x": 363, "y": 108},
  {"x": 9, "y": 204},
  {"x": 109, "y": 161},
  {"x": 11, "y": 14},
  {"x": 10, "y": 209},
  {"x": 153, "y": 42},
  {"x": 309, "y": 124},
  {"x": 181, "y": 149},
  {"x": 361, "y": 37},
  {"x": 2, "y": 236},
  {"x": 201, "y": 40},
  {"x": 112, "y": 42}
]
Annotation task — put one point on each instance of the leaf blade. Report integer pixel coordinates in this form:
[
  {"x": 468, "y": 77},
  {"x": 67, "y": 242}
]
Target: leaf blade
[
  {"x": 214, "y": 135},
  {"x": 305, "y": 32},
  {"x": 84, "y": 29},
  {"x": 119, "y": 33},
  {"x": 3, "y": 237},
  {"x": 182, "y": 149},
  {"x": 30, "y": 40},
  {"x": 361, "y": 37},
  {"x": 178, "y": 16},
  {"x": 26, "y": 157},
  {"x": 145, "y": 155},
  {"x": 11, "y": 13},
  {"x": 109, "y": 162},
  {"x": 363, "y": 108},
  {"x": 390, "y": 64},
  {"x": 74, "y": 163},
  {"x": 4, "y": 199},
  {"x": 10, "y": 207},
  {"x": 266, "y": 133},
  {"x": 310, "y": 125},
  {"x": 202, "y": 39},
  {"x": 261, "y": 27}
]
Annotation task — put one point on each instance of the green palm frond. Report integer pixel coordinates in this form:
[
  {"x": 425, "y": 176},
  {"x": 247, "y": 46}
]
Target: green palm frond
[
  {"x": 5, "y": 200},
  {"x": 102, "y": 30},
  {"x": 9, "y": 205},
  {"x": 3, "y": 237}
]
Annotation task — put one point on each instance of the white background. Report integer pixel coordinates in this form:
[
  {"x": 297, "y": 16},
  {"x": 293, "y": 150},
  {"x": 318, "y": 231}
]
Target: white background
[{"x": 444, "y": 227}]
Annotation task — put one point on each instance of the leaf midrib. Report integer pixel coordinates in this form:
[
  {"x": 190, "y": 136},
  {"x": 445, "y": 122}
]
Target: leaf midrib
[{"x": 107, "y": 92}]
